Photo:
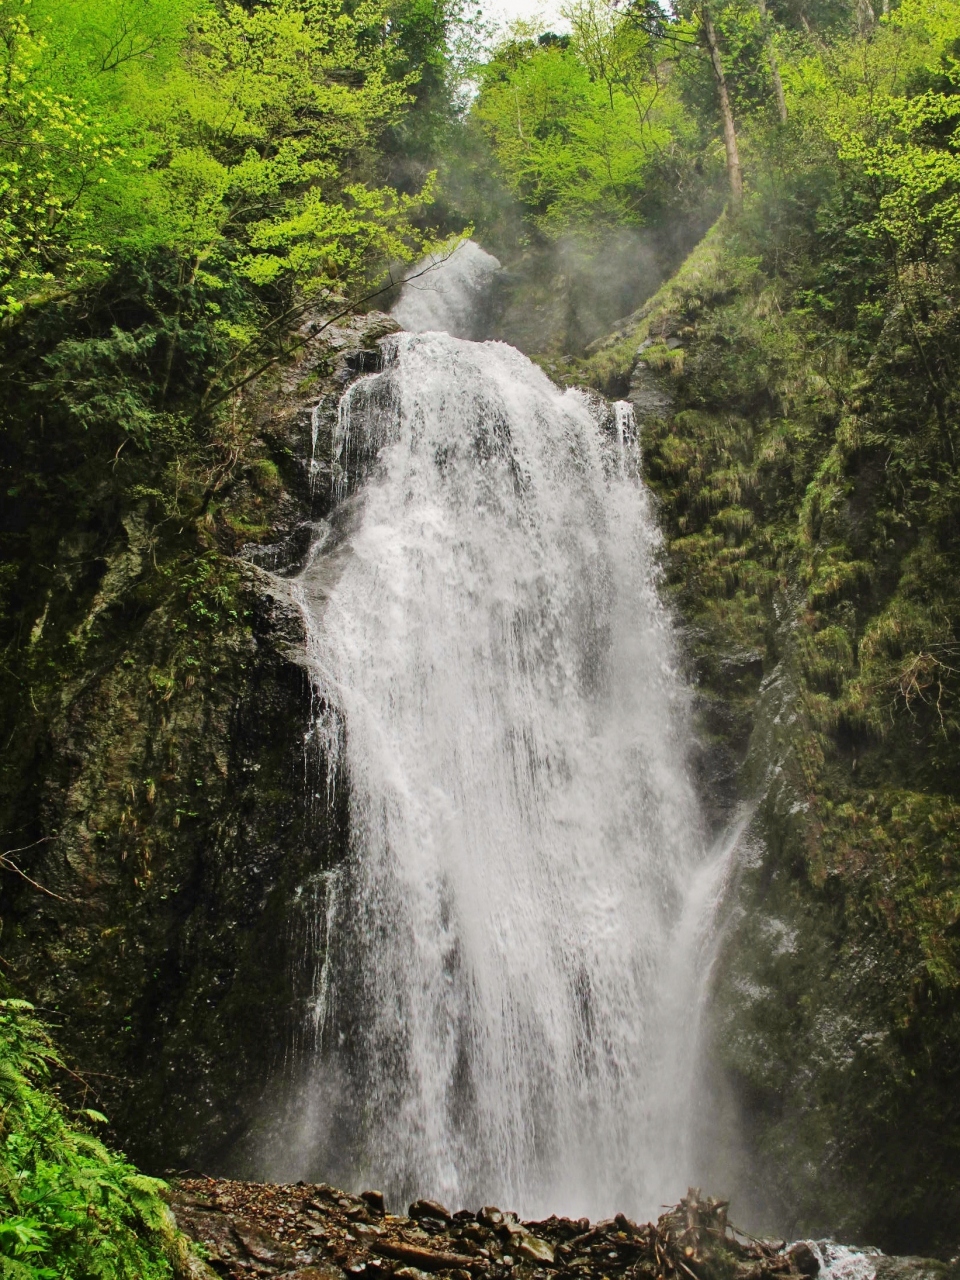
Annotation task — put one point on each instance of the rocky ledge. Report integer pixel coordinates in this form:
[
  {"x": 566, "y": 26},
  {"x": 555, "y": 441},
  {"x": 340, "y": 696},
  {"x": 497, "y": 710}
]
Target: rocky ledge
[{"x": 315, "y": 1232}]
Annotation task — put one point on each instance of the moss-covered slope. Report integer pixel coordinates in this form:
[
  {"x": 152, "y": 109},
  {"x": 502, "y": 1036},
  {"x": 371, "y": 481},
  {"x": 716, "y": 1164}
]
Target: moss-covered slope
[
  {"x": 167, "y": 816},
  {"x": 803, "y": 455}
]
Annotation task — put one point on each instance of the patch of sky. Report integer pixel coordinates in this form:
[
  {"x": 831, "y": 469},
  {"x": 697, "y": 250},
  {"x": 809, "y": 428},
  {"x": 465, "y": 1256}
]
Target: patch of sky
[{"x": 503, "y": 13}]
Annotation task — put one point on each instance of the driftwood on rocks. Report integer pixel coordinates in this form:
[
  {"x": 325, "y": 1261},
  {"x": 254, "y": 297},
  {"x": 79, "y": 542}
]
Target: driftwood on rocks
[{"x": 315, "y": 1232}]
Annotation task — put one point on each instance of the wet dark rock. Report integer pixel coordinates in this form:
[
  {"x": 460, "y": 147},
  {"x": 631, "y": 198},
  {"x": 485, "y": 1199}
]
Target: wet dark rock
[
  {"x": 323, "y": 1271},
  {"x": 429, "y": 1209},
  {"x": 490, "y": 1216},
  {"x": 364, "y": 361},
  {"x": 366, "y": 1231},
  {"x": 536, "y": 1250},
  {"x": 214, "y": 1231},
  {"x": 312, "y": 1233},
  {"x": 259, "y": 1245},
  {"x": 804, "y": 1259},
  {"x": 378, "y": 329},
  {"x": 910, "y": 1268},
  {"x": 286, "y": 557}
]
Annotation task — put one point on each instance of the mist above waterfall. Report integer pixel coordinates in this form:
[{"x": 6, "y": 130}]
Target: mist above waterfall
[{"x": 508, "y": 1006}]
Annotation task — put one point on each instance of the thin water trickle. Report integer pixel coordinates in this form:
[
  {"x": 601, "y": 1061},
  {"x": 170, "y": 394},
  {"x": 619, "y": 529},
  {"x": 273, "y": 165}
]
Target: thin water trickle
[
  {"x": 516, "y": 945},
  {"x": 314, "y": 435},
  {"x": 626, "y": 431}
]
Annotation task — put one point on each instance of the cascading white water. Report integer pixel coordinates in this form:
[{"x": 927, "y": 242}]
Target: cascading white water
[
  {"x": 511, "y": 990},
  {"x": 443, "y": 292}
]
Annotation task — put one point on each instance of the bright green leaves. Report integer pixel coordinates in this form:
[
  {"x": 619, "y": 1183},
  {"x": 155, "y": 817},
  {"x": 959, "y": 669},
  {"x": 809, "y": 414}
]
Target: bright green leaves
[
  {"x": 74, "y": 83},
  {"x": 324, "y": 243},
  {"x": 52, "y": 154},
  {"x": 189, "y": 202},
  {"x": 270, "y": 110},
  {"x": 579, "y": 124},
  {"x": 224, "y": 134},
  {"x": 874, "y": 102},
  {"x": 910, "y": 147},
  {"x": 575, "y": 125},
  {"x": 69, "y": 1208}
]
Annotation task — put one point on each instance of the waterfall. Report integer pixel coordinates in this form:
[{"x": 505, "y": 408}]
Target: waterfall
[
  {"x": 510, "y": 998},
  {"x": 447, "y": 292}
]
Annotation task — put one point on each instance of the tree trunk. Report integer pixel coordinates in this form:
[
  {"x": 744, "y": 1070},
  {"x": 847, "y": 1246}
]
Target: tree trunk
[
  {"x": 726, "y": 113},
  {"x": 774, "y": 65}
]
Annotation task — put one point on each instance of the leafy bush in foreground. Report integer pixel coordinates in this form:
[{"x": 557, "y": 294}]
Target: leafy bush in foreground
[{"x": 68, "y": 1206}]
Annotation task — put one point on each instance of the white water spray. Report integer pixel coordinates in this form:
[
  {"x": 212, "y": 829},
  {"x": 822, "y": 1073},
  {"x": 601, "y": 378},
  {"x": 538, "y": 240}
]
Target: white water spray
[
  {"x": 843, "y": 1262},
  {"x": 444, "y": 291},
  {"x": 516, "y": 952}
]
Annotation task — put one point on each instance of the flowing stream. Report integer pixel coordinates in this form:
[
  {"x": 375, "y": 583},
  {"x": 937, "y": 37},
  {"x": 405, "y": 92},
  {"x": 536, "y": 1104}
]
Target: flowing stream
[{"x": 518, "y": 938}]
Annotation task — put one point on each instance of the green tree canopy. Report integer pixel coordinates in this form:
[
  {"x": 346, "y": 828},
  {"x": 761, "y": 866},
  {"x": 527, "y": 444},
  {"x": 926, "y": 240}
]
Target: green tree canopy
[
  {"x": 576, "y": 123},
  {"x": 229, "y": 134}
]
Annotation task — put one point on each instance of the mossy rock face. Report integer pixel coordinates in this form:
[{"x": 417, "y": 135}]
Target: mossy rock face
[
  {"x": 914, "y": 1269},
  {"x": 185, "y": 819},
  {"x": 174, "y": 804},
  {"x": 812, "y": 563}
]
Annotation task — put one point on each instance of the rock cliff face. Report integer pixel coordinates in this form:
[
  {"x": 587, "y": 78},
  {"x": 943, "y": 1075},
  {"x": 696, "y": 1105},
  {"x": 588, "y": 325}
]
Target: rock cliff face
[
  {"x": 171, "y": 800},
  {"x": 813, "y": 586},
  {"x": 171, "y": 957}
]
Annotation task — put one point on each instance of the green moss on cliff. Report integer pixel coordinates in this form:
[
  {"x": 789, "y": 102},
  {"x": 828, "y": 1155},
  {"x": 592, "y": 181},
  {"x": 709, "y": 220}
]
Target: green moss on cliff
[
  {"x": 159, "y": 781},
  {"x": 802, "y": 454}
]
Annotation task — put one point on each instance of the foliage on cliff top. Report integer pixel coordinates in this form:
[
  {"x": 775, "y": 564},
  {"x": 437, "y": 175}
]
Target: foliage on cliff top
[
  {"x": 620, "y": 120},
  {"x": 576, "y": 125},
  {"x": 181, "y": 183},
  {"x": 69, "y": 1207},
  {"x": 236, "y": 138}
]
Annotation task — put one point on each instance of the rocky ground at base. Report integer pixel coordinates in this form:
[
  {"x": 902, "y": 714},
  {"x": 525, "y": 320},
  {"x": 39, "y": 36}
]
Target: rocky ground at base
[{"x": 316, "y": 1232}]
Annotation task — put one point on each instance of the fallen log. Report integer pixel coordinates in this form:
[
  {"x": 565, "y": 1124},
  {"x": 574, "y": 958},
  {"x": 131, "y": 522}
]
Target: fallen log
[{"x": 426, "y": 1259}]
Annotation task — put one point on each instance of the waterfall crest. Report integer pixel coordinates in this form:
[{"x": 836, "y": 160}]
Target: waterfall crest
[{"x": 498, "y": 679}]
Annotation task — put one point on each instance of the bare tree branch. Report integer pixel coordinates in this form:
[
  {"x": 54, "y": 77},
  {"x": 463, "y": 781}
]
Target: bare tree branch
[{"x": 5, "y": 861}]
